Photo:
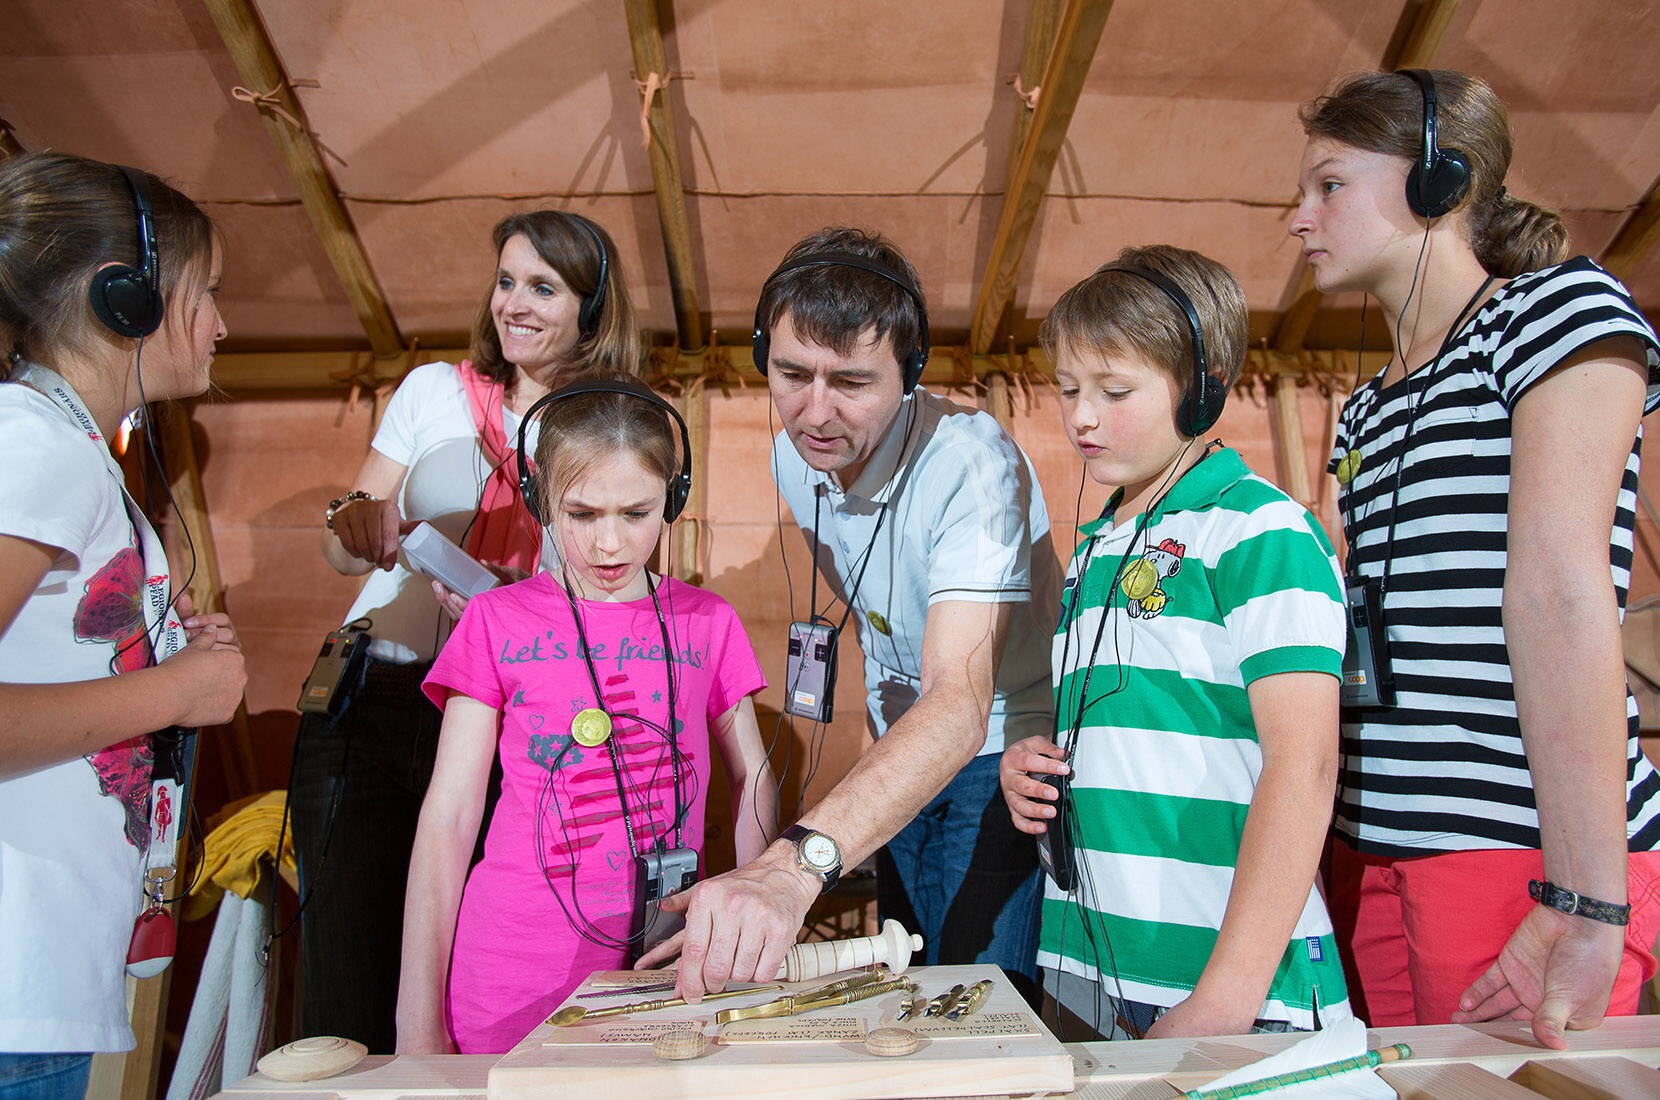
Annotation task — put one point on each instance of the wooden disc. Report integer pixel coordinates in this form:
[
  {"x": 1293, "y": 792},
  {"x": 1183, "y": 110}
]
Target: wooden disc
[
  {"x": 891, "y": 1042},
  {"x": 310, "y": 1059},
  {"x": 678, "y": 1046}
]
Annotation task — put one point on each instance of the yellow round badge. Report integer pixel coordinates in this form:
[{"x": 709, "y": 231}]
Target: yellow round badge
[
  {"x": 1140, "y": 579},
  {"x": 1347, "y": 467},
  {"x": 879, "y": 622},
  {"x": 591, "y": 727}
]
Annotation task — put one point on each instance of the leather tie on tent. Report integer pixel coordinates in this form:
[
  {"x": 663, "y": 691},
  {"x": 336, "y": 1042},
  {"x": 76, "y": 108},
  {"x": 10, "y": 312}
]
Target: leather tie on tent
[{"x": 268, "y": 101}]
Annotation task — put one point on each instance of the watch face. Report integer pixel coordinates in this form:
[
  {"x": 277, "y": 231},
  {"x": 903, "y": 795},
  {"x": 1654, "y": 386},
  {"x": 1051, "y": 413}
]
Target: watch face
[{"x": 819, "y": 852}]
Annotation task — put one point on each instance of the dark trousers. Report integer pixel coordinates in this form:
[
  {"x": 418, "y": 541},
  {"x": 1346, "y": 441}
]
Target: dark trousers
[
  {"x": 966, "y": 879},
  {"x": 357, "y": 789}
]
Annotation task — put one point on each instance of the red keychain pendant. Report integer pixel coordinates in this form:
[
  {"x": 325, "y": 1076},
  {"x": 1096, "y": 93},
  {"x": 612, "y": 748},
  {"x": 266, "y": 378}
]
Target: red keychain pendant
[{"x": 154, "y": 938}]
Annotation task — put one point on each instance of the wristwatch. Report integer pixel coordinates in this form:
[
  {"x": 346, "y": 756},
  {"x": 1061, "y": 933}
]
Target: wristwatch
[{"x": 816, "y": 853}]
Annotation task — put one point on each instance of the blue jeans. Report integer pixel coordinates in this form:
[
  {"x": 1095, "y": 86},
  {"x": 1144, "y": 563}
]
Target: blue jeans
[
  {"x": 965, "y": 878},
  {"x": 44, "y": 1076}
]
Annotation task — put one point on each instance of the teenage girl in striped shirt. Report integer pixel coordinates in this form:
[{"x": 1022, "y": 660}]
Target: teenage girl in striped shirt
[{"x": 1495, "y": 823}]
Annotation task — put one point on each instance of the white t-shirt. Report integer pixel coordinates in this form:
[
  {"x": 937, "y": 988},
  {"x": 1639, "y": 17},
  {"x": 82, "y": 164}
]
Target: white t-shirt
[
  {"x": 69, "y": 832},
  {"x": 961, "y": 517},
  {"x": 428, "y": 428}
]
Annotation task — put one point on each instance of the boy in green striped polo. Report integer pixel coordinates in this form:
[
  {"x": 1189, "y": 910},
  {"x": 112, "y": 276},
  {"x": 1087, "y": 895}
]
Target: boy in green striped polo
[{"x": 1196, "y": 671}]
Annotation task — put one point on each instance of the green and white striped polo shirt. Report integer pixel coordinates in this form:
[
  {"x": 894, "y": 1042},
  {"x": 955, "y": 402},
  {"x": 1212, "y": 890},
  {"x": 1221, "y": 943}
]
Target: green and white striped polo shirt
[{"x": 1231, "y": 580}]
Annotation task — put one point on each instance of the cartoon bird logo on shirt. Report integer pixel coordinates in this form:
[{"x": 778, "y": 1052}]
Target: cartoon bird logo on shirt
[{"x": 1142, "y": 583}]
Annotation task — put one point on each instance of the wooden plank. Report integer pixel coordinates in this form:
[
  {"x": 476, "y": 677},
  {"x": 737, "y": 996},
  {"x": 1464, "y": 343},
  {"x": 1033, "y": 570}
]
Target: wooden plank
[
  {"x": 256, "y": 60},
  {"x": 1285, "y": 424},
  {"x": 1076, "y": 39},
  {"x": 1422, "y": 30},
  {"x": 1635, "y": 237},
  {"x": 1606, "y": 1078},
  {"x": 1043, "y": 19},
  {"x": 997, "y": 399},
  {"x": 1451, "y": 1082},
  {"x": 646, "y": 36}
]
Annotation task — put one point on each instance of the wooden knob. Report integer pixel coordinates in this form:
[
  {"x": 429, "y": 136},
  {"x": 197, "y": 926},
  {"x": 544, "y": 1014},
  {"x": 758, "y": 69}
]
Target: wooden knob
[
  {"x": 310, "y": 1059},
  {"x": 891, "y": 1042},
  {"x": 678, "y": 1046}
]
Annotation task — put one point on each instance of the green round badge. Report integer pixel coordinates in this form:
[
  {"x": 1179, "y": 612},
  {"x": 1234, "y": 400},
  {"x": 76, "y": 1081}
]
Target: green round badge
[
  {"x": 591, "y": 727},
  {"x": 1347, "y": 467},
  {"x": 879, "y": 622}
]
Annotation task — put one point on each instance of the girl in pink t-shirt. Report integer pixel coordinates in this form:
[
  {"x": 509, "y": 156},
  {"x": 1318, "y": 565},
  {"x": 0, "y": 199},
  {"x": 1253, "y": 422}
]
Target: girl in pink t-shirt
[{"x": 533, "y": 673}]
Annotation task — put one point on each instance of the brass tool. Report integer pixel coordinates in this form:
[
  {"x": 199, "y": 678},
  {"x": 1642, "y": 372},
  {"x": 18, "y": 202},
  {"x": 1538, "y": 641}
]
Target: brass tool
[
  {"x": 912, "y": 1004},
  {"x": 969, "y": 1001},
  {"x": 576, "y": 1014},
  {"x": 807, "y": 1002},
  {"x": 938, "y": 1005}
]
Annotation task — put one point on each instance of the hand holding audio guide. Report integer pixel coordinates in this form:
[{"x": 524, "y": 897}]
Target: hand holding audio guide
[{"x": 1028, "y": 774}]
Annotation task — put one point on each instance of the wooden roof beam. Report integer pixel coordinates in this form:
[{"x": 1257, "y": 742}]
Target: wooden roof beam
[
  {"x": 256, "y": 60},
  {"x": 9, "y": 146},
  {"x": 1043, "y": 19},
  {"x": 1635, "y": 237},
  {"x": 1076, "y": 39},
  {"x": 646, "y": 35},
  {"x": 1421, "y": 33}
]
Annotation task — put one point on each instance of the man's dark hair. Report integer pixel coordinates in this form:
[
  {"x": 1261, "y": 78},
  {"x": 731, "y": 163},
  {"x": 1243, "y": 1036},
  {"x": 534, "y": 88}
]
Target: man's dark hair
[{"x": 834, "y": 305}]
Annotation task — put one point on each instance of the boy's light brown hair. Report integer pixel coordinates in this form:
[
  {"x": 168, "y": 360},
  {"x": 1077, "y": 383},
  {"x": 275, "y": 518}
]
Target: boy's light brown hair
[{"x": 1114, "y": 312}]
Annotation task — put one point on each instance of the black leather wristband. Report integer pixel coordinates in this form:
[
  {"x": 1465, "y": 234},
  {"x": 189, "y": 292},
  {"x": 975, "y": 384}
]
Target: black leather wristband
[{"x": 1553, "y": 896}]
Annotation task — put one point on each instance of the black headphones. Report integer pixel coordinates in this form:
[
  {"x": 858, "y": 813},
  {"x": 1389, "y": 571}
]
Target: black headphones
[
  {"x": 128, "y": 302},
  {"x": 910, "y": 367},
  {"x": 1203, "y": 401},
  {"x": 1439, "y": 177},
  {"x": 680, "y": 486},
  {"x": 588, "y": 313}
]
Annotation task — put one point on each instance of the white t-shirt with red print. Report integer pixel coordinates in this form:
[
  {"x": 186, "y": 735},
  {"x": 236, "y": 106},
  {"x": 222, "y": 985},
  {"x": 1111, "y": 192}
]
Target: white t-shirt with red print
[{"x": 71, "y": 834}]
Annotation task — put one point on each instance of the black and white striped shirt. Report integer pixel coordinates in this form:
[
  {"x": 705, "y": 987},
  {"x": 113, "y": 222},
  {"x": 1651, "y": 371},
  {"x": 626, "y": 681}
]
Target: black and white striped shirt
[{"x": 1445, "y": 770}]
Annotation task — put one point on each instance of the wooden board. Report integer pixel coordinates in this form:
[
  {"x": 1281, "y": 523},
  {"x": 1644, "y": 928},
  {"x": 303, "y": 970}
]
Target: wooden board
[
  {"x": 1451, "y": 1081},
  {"x": 619, "y": 1066},
  {"x": 1500, "y": 1048},
  {"x": 1607, "y": 1078}
]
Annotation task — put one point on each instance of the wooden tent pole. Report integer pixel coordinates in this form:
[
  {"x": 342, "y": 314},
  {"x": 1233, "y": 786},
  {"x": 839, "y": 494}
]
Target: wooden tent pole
[
  {"x": 646, "y": 36},
  {"x": 692, "y": 529},
  {"x": 1076, "y": 40},
  {"x": 1635, "y": 237},
  {"x": 256, "y": 60},
  {"x": 1285, "y": 424},
  {"x": 1042, "y": 22}
]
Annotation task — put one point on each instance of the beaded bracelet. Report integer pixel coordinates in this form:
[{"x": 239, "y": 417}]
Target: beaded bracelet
[{"x": 340, "y": 502}]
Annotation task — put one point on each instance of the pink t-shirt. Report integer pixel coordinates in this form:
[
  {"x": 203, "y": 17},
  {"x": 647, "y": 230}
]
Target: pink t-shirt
[{"x": 557, "y": 856}]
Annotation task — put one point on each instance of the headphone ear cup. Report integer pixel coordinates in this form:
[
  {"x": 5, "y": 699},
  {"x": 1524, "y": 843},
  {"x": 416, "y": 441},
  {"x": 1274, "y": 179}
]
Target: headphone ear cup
[
  {"x": 587, "y": 314},
  {"x": 124, "y": 302},
  {"x": 1434, "y": 193},
  {"x": 913, "y": 369},
  {"x": 1202, "y": 406},
  {"x": 760, "y": 347},
  {"x": 680, "y": 491}
]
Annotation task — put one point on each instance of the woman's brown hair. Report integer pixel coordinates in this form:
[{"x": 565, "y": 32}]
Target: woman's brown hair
[
  {"x": 565, "y": 243},
  {"x": 61, "y": 218},
  {"x": 1384, "y": 113}
]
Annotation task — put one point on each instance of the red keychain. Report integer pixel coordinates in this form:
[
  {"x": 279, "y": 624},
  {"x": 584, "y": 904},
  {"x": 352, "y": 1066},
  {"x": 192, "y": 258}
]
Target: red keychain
[{"x": 155, "y": 936}]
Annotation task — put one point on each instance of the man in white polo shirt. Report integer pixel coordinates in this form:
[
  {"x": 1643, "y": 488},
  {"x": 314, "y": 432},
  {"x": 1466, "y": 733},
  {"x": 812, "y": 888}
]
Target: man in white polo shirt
[{"x": 930, "y": 529}]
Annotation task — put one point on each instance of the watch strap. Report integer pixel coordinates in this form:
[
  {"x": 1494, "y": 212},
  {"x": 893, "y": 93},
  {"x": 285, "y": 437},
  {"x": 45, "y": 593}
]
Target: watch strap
[{"x": 1553, "y": 896}]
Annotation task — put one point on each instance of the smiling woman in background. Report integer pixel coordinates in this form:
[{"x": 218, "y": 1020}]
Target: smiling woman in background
[{"x": 557, "y": 311}]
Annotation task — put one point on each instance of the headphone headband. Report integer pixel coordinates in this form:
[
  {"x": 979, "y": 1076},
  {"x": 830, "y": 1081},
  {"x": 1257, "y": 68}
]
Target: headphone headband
[
  {"x": 1202, "y": 404},
  {"x": 1439, "y": 177},
  {"x": 128, "y": 301},
  {"x": 680, "y": 486},
  {"x": 910, "y": 365}
]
